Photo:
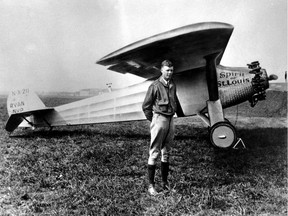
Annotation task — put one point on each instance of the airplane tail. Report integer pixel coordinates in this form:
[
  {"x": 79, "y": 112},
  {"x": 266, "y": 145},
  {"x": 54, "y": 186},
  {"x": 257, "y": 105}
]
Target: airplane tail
[{"x": 22, "y": 105}]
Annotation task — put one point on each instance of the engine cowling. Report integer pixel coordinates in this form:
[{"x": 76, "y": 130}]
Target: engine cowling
[{"x": 237, "y": 85}]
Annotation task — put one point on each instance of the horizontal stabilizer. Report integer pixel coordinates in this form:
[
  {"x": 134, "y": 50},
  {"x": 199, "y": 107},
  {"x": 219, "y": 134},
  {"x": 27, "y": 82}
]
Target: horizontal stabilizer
[
  {"x": 13, "y": 122},
  {"x": 16, "y": 119}
]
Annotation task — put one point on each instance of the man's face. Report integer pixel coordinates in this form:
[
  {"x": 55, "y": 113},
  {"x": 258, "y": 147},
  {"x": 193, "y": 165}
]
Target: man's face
[{"x": 167, "y": 72}]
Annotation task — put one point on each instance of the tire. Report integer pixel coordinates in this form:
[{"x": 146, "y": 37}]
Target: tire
[{"x": 223, "y": 135}]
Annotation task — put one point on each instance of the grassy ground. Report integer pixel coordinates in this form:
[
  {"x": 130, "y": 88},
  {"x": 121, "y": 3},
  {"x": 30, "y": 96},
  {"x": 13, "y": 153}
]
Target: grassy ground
[{"x": 101, "y": 170}]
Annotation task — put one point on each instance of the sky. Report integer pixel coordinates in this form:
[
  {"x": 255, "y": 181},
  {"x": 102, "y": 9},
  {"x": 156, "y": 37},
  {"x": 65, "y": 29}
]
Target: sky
[{"x": 53, "y": 45}]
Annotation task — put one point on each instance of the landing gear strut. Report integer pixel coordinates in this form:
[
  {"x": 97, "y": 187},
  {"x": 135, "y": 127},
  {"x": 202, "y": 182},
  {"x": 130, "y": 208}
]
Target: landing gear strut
[{"x": 222, "y": 133}]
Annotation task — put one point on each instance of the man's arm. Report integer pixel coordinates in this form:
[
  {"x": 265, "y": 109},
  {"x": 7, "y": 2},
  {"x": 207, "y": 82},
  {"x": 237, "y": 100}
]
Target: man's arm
[{"x": 147, "y": 105}]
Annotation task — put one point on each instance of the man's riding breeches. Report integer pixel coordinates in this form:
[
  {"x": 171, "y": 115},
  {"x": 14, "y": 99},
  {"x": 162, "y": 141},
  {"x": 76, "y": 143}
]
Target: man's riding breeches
[{"x": 162, "y": 135}]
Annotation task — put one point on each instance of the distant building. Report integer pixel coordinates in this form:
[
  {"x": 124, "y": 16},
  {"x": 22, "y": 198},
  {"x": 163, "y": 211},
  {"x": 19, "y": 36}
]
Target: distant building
[
  {"x": 84, "y": 92},
  {"x": 69, "y": 94},
  {"x": 90, "y": 92}
]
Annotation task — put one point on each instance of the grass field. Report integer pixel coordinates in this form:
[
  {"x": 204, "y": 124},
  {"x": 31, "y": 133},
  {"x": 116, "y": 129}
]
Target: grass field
[{"x": 101, "y": 169}]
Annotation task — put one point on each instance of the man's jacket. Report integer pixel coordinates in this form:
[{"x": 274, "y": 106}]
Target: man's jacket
[{"x": 160, "y": 98}]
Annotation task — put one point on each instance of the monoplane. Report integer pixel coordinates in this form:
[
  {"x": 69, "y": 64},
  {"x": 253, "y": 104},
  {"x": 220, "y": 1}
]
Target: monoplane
[{"x": 204, "y": 87}]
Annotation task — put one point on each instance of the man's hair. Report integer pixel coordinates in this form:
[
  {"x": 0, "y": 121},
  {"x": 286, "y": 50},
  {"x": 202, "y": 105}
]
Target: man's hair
[{"x": 166, "y": 63}]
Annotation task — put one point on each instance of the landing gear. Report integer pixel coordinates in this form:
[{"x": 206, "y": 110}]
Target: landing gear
[{"x": 223, "y": 135}]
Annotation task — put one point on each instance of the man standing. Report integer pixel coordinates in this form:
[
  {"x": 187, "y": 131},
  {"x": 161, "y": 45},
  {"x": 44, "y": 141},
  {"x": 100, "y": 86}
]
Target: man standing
[{"x": 159, "y": 106}]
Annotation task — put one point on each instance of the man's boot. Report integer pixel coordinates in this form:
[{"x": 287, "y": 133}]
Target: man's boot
[
  {"x": 151, "y": 175},
  {"x": 164, "y": 173}
]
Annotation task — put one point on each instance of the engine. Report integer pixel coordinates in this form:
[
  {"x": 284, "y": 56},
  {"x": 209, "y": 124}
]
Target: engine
[{"x": 237, "y": 85}]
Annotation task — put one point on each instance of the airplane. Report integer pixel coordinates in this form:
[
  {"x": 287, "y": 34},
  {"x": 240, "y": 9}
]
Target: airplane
[{"x": 204, "y": 87}]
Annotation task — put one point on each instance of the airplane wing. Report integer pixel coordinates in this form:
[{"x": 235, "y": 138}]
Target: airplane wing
[{"x": 180, "y": 45}]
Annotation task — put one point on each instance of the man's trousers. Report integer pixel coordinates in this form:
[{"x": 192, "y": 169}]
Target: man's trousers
[{"x": 162, "y": 135}]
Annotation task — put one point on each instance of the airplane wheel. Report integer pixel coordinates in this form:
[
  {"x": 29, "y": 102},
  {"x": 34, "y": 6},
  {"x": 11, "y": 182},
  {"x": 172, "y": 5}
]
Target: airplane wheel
[{"x": 223, "y": 135}]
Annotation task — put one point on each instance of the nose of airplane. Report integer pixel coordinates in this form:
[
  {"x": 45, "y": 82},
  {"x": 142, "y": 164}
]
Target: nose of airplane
[{"x": 260, "y": 82}]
